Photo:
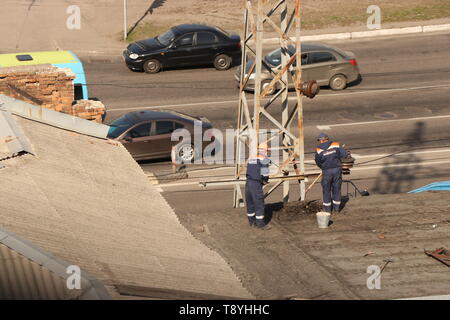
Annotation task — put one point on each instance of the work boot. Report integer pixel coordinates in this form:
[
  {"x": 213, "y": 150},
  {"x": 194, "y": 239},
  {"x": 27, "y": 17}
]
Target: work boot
[
  {"x": 326, "y": 207},
  {"x": 336, "y": 206},
  {"x": 265, "y": 227},
  {"x": 251, "y": 219},
  {"x": 259, "y": 221}
]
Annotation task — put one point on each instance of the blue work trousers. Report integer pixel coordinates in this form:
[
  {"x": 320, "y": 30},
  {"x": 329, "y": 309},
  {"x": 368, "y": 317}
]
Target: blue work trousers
[
  {"x": 331, "y": 188},
  {"x": 254, "y": 197}
]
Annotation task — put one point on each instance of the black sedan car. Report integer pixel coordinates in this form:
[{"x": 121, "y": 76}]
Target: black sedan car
[
  {"x": 148, "y": 134},
  {"x": 184, "y": 45}
]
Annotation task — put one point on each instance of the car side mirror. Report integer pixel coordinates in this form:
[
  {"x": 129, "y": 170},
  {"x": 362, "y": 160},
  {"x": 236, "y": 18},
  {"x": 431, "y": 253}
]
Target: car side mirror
[
  {"x": 127, "y": 139},
  {"x": 173, "y": 46}
]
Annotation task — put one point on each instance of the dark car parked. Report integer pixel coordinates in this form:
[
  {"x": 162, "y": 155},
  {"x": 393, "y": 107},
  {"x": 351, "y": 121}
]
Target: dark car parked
[
  {"x": 147, "y": 134},
  {"x": 184, "y": 45}
]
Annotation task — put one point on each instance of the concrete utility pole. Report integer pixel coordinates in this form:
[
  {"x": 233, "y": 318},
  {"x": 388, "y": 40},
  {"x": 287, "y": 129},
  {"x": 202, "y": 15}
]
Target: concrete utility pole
[
  {"x": 124, "y": 19},
  {"x": 292, "y": 144}
]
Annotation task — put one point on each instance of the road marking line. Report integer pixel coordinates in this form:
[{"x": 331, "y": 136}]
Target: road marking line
[
  {"x": 291, "y": 98},
  {"x": 174, "y": 105},
  {"x": 152, "y": 179},
  {"x": 381, "y": 121},
  {"x": 429, "y": 163},
  {"x": 312, "y": 162},
  {"x": 322, "y": 128},
  {"x": 384, "y": 90},
  {"x": 420, "y": 164},
  {"x": 356, "y": 156}
]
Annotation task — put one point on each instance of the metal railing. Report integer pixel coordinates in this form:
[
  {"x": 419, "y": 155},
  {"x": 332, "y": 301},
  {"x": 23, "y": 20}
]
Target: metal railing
[{"x": 349, "y": 183}]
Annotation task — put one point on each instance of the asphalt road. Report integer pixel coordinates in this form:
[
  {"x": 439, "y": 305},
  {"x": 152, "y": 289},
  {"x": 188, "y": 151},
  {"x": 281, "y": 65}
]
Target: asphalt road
[
  {"x": 402, "y": 105},
  {"x": 403, "y": 77}
]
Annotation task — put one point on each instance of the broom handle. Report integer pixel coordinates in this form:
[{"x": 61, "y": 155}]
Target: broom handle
[{"x": 311, "y": 185}]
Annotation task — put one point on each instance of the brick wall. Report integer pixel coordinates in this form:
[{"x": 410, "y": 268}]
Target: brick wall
[
  {"x": 49, "y": 87},
  {"x": 89, "y": 109}
]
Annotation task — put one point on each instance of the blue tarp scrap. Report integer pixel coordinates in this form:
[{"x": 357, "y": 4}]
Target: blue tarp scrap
[{"x": 435, "y": 186}]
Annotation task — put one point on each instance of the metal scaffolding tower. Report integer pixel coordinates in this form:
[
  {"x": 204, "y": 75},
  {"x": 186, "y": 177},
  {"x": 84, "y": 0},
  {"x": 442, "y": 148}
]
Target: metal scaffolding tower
[{"x": 292, "y": 166}]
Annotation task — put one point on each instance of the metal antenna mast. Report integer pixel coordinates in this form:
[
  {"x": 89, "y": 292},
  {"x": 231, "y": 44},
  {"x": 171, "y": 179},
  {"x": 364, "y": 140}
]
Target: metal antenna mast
[{"x": 292, "y": 142}]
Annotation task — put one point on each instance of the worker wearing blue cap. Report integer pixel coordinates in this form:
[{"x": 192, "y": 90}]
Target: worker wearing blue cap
[{"x": 328, "y": 158}]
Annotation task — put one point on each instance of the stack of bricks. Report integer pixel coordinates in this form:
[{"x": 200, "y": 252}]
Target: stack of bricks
[
  {"x": 89, "y": 109},
  {"x": 49, "y": 87}
]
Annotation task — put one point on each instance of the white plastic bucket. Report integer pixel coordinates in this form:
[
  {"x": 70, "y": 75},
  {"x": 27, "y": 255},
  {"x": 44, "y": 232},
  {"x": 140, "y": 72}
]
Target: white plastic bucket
[{"x": 323, "y": 219}]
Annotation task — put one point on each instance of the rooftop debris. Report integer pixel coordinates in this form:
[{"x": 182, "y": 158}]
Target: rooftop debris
[
  {"x": 298, "y": 209},
  {"x": 441, "y": 254}
]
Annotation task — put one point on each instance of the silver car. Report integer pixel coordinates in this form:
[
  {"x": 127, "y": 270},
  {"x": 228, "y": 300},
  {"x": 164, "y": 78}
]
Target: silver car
[{"x": 329, "y": 66}]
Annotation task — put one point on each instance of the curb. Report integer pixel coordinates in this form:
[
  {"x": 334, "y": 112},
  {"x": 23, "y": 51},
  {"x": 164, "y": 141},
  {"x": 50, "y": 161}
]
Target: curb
[
  {"x": 116, "y": 56},
  {"x": 98, "y": 56},
  {"x": 368, "y": 34}
]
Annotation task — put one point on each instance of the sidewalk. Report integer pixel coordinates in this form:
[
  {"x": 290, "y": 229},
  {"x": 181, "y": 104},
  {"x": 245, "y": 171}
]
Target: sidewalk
[{"x": 41, "y": 25}]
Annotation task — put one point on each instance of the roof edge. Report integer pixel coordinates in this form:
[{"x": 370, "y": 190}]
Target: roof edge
[
  {"x": 95, "y": 290},
  {"x": 53, "y": 118},
  {"x": 15, "y": 139}
]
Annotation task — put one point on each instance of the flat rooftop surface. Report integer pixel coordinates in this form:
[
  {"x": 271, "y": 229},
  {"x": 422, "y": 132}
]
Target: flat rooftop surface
[{"x": 296, "y": 259}]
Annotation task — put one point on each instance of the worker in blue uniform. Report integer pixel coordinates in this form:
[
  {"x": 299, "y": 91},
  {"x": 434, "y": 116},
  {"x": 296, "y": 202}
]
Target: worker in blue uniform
[
  {"x": 328, "y": 158},
  {"x": 257, "y": 176}
]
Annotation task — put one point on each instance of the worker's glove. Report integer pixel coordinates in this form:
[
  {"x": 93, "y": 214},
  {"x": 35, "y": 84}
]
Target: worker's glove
[{"x": 264, "y": 180}]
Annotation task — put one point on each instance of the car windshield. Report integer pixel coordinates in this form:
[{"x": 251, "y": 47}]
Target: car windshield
[
  {"x": 274, "y": 58},
  {"x": 119, "y": 126},
  {"x": 166, "y": 38}
]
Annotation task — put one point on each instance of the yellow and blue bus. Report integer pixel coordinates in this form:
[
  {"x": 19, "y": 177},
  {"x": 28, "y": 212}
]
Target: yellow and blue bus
[{"x": 62, "y": 59}]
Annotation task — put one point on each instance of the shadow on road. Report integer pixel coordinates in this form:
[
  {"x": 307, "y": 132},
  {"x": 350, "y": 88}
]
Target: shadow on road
[
  {"x": 235, "y": 63},
  {"x": 154, "y": 161},
  {"x": 399, "y": 172}
]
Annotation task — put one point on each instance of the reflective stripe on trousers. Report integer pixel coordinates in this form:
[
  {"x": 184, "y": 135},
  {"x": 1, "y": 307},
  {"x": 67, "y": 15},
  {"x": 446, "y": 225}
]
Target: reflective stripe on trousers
[
  {"x": 254, "y": 198},
  {"x": 331, "y": 186}
]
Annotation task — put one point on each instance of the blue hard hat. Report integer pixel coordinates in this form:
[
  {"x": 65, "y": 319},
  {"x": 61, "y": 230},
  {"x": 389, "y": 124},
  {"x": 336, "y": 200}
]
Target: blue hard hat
[{"x": 322, "y": 136}]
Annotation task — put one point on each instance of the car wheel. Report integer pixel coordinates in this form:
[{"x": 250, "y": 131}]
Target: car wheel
[
  {"x": 265, "y": 84},
  {"x": 222, "y": 62},
  {"x": 186, "y": 153},
  {"x": 338, "y": 82},
  {"x": 152, "y": 66}
]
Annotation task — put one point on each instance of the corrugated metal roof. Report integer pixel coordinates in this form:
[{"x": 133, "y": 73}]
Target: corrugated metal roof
[
  {"x": 30, "y": 273},
  {"x": 22, "y": 279},
  {"x": 12, "y": 139}
]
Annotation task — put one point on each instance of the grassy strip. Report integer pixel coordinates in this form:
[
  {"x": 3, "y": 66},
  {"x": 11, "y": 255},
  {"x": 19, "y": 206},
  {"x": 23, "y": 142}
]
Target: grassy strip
[
  {"x": 352, "y": 16},
  {"x": 146, "y": 30},
  {"x": 420, "y": 12},
  {"x": 333, "y": 17}
]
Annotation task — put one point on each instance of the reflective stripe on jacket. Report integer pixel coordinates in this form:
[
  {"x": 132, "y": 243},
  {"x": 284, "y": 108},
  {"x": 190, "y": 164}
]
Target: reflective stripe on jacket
[
  {"x": 258, "y": 168},
  {"x": 329, "y": 155}
]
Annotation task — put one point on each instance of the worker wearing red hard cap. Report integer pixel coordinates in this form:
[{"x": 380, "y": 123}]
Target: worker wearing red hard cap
[
  {"x": 328, "y": 158},
  {"x": 257, "y": 176}
]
